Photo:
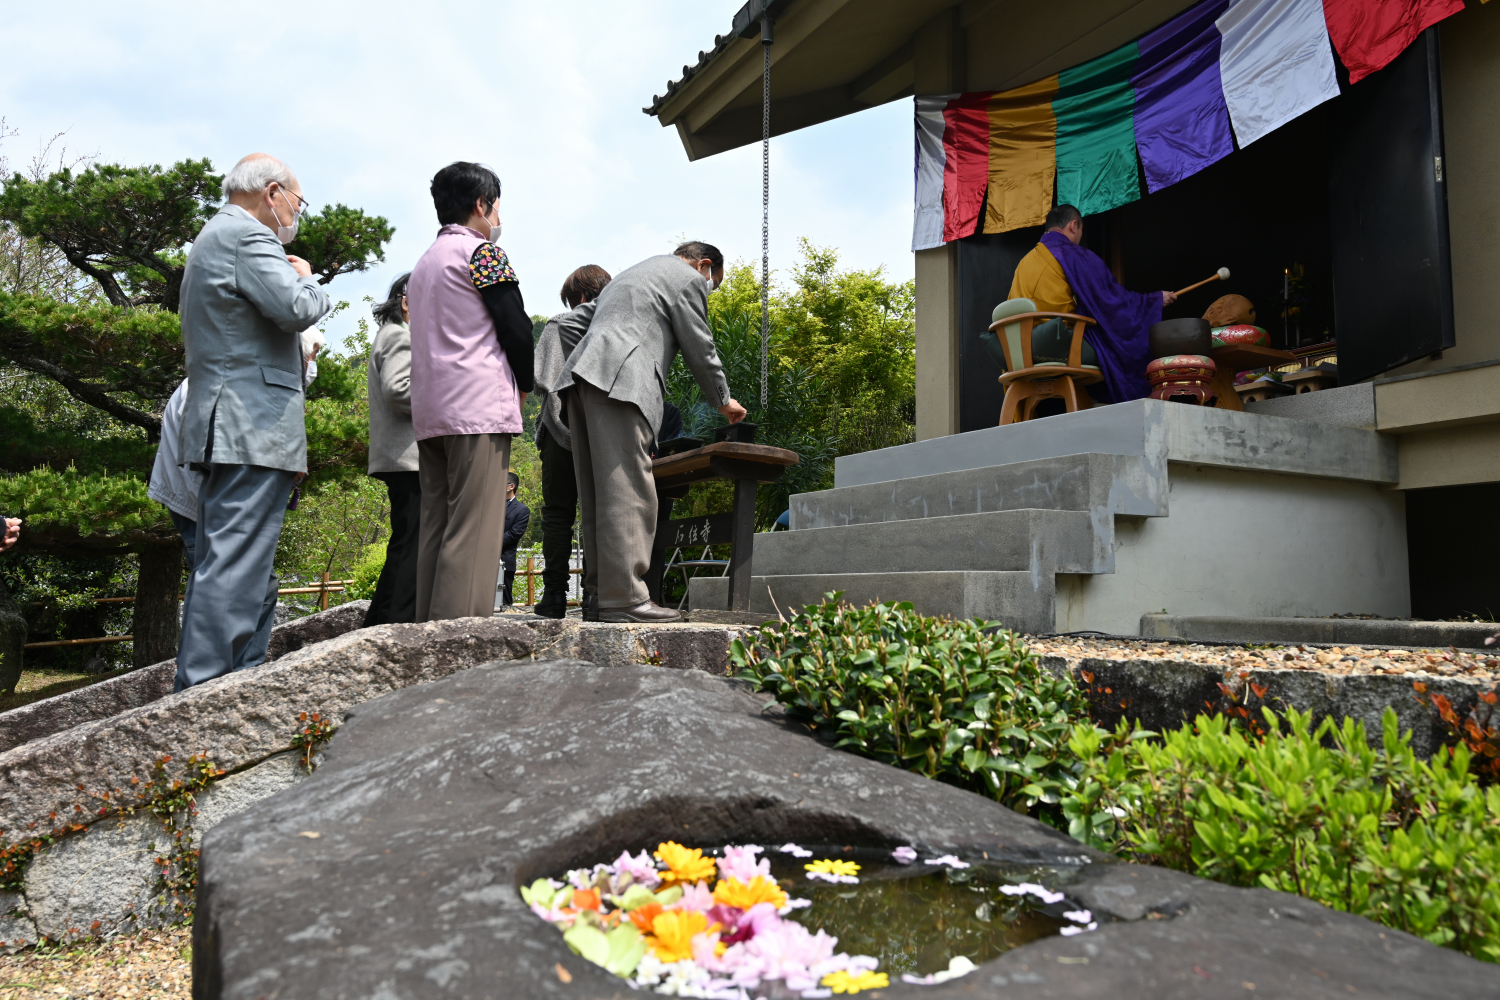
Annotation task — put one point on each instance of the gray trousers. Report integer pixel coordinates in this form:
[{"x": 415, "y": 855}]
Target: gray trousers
[
  {"x": 255, "y": 649},
  {"x": 463, "y": 479},
  {"x": 231, "y": 596},
  {"x": 616, "y": 494}
]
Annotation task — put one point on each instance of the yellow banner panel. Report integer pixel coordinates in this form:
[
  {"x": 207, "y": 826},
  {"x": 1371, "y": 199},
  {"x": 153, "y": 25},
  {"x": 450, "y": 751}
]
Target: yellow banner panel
[{"x": 1023, "y": 156}]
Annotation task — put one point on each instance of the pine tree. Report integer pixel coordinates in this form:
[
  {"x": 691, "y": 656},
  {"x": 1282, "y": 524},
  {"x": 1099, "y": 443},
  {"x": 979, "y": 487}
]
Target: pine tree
[{"x": 117, "y": 347}]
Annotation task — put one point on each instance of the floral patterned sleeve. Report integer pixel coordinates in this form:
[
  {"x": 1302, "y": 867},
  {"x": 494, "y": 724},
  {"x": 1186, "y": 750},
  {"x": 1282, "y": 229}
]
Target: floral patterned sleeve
[{"x": 489, "y": 266}]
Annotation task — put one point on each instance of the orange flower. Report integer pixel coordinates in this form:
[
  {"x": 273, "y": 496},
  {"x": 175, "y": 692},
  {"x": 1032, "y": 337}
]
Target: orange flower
[
  {"x": 743, "y": 895},
  {"x": 586, "y": 899},
  {"x": 675, "y": 930},
  {"x": 643, "y": 915},
  {"x": 684, "y": 864}
]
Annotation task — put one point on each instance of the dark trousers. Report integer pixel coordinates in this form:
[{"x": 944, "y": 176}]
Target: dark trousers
[
  {"x": 509, "y": 591},
  {"x": 395, "y": 598},
  {"x": 559, "y": 508}
]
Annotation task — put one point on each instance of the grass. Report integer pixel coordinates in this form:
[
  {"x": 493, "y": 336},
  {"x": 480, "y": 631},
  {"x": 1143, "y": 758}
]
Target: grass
[
  {"x": 154, "y": 965},
  {"x": 35, "y": 685}
]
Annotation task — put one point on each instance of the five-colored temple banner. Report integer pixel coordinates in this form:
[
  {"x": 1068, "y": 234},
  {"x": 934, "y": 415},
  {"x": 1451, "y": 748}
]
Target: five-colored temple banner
[{"x": 1175, "y": 101}]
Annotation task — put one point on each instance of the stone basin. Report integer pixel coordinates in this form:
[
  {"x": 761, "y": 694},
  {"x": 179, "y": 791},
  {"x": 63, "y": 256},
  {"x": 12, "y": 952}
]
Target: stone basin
[{"x": 393, "y": 871}]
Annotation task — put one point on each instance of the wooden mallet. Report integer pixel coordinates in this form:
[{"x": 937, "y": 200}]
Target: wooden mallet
[{"x": 1223, "y": 275}]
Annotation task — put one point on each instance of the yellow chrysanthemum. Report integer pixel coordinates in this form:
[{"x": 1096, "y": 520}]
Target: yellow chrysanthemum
[
  {"x": 843, "y": 982},
  {"x": 833, "y": 867},
  {"x": 733, "y": 892},
  {"x": 683, "y": 864},
  {"x": 673, "y": 933}
]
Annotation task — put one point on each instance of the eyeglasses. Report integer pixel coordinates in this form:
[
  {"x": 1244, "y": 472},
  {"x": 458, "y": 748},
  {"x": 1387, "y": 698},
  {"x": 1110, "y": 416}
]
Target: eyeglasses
[{"x": 302, "y": 203}]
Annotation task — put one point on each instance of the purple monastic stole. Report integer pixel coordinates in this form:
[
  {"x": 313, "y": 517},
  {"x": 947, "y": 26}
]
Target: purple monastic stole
[{"x": 1124, "y": 317}]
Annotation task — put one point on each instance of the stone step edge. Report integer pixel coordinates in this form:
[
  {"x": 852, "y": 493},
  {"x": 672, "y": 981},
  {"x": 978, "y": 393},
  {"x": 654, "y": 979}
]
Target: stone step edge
[{"x": 1338, "y": 631}]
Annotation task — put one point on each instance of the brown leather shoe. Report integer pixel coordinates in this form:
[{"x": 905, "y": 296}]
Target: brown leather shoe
[{"x": 647, "y": 612}]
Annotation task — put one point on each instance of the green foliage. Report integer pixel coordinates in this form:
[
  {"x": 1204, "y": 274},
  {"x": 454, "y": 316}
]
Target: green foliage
[
  {"x": 1310, "y": 810},
  {"x": 58, "y": 447},
  {"x": 108, "y": 511},
  {"x": 341, "y": 240},
  {"x": 791, "y": 420},
  {"x": 960, "y": 701},
  {"x": 122, "y": 226},
  {"x": 331, "y": 529},
  {"x": 56, "y": 596},
  {"x": 366, "y": 573},
  {"x": 853, "y": 331}
]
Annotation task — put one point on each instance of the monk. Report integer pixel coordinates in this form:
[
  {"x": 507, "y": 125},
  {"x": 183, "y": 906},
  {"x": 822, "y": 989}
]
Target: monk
[{"x": 1061, "y": 276}]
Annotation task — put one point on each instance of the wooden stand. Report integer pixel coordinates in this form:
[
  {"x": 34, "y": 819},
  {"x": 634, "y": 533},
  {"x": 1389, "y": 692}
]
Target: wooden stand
[
  {"x": 748, "y": 465},
  {"x": 1238, "y": 358}
]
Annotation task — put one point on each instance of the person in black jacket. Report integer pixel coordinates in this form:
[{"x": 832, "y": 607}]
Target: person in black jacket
[{"x": 517, "y": 520}]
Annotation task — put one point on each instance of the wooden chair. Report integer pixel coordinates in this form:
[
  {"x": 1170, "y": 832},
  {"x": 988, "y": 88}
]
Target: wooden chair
[{"x": 1027, "y": 382}]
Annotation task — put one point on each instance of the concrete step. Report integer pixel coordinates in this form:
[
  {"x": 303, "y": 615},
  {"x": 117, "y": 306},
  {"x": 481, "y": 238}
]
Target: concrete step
[
  {"x": 1022, "y": 601},
  {"x": 1346, "y": 631},
  {"x": 1041, "y": 541},
  {"x": 1113, "y": 484}
]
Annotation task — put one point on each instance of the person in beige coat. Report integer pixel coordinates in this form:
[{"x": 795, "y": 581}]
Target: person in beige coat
[
  {"x": 615, "y": 383},
  {"x": 393, "y": 457}
]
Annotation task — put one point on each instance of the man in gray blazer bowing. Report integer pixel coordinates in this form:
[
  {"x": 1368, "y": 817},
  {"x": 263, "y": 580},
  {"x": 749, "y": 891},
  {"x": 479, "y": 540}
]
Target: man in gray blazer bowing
[
  {"x": 244, "y": 304},
  {"x": 614, "y": 383}
]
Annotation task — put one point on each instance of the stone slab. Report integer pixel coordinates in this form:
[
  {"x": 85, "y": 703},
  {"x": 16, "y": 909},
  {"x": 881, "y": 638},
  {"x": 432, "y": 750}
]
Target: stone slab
[
  {"x": 239, "y": 719},
  {"x": 1156, "y": 430},
  {"x": 141, "y": 687},
  {"x": 435, "y": 803},
  {"x": 678, "y": 646},
  {"x": 1342, "y": 631},
  {"x": 1022, "y": 601},
  {"x": 1345, "y": 406},
  {"x": 17, "y": 930},
  {"x": 1052, "y": 541},
  {"x": 708, "y": 593},
  {"x": 1117, "y": 483},
  {"x": 1163, "y": 694}
]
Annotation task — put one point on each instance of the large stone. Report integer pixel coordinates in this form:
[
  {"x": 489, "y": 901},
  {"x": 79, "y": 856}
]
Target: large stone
[
  {"x": 680, "y": 646},
  {"x": 17, "y": 930},
  {"x": 393, "y": 871},
  {"x": 141, "y": 687},
  {"x": 12, "y": 642},
  {"x": 239, "y": 719}
]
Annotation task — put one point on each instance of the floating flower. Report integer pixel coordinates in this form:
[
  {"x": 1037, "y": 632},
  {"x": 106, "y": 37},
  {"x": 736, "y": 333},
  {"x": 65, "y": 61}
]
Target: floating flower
[
  {"x": 740, "y": 863},
  {"x": 683, "y": 864},
  {"x": 673, "y": 933},
  {"x": 833, "y": 871},
  {"x": 743, "y": 895},
  {"x": 644, "y": 915},
  {"x": 1079, "y": 916},
  {"x": 1070, "y": 931},
  {"x": 641, "y": 869},
  {"x": 696, "y": 897},
  {"x": 947, "y": 859},
  {"x": 1039, "y": 891},
  {"x": 795, "y": 851},
  {"x": 904, "y": 855},
  {"x": 845, "y": 982},
  {"x": 958, "y": 965},
  {"x": 586, "y": 899}
]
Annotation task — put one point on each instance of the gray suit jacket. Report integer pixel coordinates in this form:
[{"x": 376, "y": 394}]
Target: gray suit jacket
[
  {"x": 561, "y": 334},
  {"x": 242, "y": 309},
  {"x": 393, "y": 440},
  {"x": 644, "y": 317}
]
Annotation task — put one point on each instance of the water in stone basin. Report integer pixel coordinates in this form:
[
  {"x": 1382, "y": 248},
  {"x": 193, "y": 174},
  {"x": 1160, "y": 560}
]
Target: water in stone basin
[
  {"x": 916, "y": 918},
  {"x": 712, "y": 922}
]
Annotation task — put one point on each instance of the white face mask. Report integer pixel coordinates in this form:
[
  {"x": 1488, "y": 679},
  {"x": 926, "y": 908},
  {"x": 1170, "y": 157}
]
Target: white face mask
[{"x": 286, "y": 233}]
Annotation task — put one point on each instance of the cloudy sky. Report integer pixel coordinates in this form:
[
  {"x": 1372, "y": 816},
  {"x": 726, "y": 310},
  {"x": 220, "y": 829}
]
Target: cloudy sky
[{"x": 367, "y": 100}]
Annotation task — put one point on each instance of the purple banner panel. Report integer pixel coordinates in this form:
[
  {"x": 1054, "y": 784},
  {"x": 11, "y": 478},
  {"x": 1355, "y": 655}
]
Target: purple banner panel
[{"x": 1181, "y": 120}]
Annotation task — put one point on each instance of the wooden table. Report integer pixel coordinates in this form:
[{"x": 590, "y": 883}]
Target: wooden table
[
  {"x": 748, "y": 465},
  {"x": 1238, "y": 358}
]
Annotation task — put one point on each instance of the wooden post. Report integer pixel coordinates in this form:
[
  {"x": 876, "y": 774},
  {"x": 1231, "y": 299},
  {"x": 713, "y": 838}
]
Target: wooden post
[
  {"x": 744, "y": 544},
  {"x": 323, "y": 593},
  {"x": 531, "y": 578}
]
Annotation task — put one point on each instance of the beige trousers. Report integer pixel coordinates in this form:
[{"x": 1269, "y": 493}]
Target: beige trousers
[
  {"x": 463, "y": 479},
  {"x": 616, "y": 493}
]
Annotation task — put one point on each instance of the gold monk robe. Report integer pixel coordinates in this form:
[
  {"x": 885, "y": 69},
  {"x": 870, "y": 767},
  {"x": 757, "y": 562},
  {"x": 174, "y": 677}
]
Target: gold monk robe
[{"x": 1040, "y": 278}]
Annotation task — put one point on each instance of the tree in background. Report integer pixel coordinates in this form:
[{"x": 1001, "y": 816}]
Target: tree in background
[{"x": 106, "y": 332}]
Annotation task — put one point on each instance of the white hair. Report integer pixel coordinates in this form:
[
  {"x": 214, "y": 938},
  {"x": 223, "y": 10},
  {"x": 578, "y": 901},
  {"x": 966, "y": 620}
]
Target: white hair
[{"x": 254, "y": 172}]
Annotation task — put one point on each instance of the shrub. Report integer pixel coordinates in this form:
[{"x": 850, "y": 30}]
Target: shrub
[
  {"x": 366, "y": 573},
  {"x": 960, "y": 701},
  {"x": 1412, "y": 844}
]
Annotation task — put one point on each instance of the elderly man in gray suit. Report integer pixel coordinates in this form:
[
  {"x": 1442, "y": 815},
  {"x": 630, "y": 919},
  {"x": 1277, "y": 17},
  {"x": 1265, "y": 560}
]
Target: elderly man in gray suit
[
  {"x": 244, "y": 304},
  {"x": 615, "y": 382}
]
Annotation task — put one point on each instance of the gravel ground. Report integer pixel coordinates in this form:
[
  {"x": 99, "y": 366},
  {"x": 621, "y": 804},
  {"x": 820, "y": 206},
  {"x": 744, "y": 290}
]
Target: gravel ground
[
  {"x": 155, "y": 965},
  {"x": 1328, "y": 659}
]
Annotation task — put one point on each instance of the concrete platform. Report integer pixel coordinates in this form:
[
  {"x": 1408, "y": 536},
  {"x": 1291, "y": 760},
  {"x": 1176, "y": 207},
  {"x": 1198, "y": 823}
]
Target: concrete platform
[{"x": 1158, "y": 508}]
